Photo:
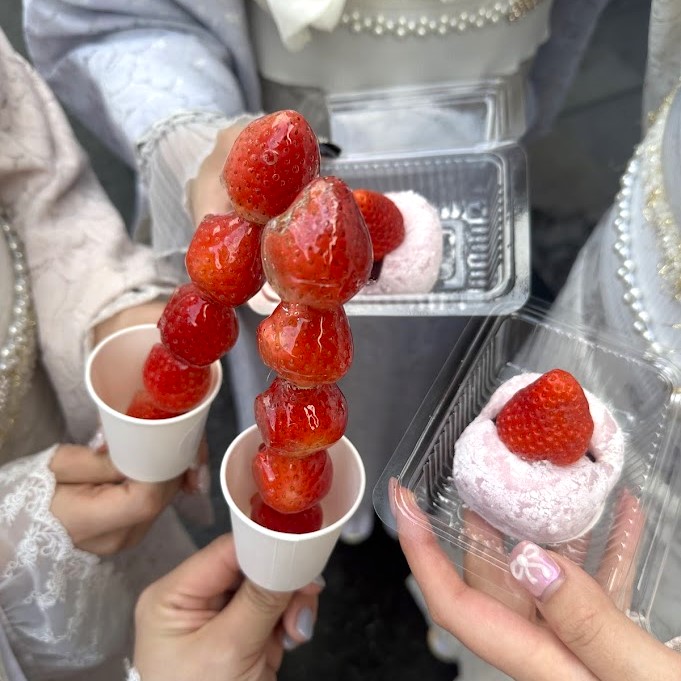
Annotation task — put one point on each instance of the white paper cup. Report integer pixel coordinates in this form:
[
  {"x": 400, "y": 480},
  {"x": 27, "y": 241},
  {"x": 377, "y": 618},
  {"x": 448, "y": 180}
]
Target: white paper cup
[
  {"x": 276, "y": 560},
  {"x": 142, "y": 449}
]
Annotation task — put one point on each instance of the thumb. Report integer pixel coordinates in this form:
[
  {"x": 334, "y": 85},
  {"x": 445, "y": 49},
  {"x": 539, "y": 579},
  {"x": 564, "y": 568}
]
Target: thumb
[
  {"x": 584, "y": 618},
  {"x": 251, "y": 615}
]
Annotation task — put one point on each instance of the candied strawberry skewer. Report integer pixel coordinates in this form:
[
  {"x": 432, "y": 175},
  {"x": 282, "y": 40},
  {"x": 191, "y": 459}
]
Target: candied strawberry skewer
[
  {"x": 316, "y": 254},
  {"x": 198, "y": 324}
]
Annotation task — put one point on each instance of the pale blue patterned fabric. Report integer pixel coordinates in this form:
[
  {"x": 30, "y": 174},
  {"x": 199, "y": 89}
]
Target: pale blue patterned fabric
[{"x": 123, "y": 65}]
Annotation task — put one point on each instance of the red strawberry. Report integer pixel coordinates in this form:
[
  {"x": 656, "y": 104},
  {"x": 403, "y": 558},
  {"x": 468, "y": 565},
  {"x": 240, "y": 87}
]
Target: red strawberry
[
  {"x": 143, "y": 407},
  {"x": 174, "y": 385},
  {"x": 384, "y": 221},
  {"x": 319, "y": 251},
  {"x": 271, "y": 160},
  {"x": 223, "y": 258},
  {"x": 292, "y": 484},
  {"x": 292, "y": 523},
  {"x": 305, "y": 345},
  {"x": 298, "y": 421},
  {"x": 549, "y": 419},
  {"x": 196, "y": 329}
]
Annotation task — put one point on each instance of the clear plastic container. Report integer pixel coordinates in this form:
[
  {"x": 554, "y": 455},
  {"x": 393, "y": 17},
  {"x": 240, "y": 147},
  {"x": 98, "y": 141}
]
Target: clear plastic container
[
  {"x": 482, "y": 200},
  {"x": 463, "y": 115},
  {"x": 639, "y": 390},
  {"x": 456, "y": 145}
]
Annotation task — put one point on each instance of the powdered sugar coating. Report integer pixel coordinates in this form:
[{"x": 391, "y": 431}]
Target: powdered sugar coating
[
  {"x": 414, "y": 266},
  {"x": 536, "y": 500}
]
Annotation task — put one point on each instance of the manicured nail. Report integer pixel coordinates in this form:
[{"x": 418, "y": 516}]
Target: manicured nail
[
  {"x": 305, "y": 623},
  {"x": 97, "y": 441},
  {"x": 535, "y": 570},
  {"x": 319, "y": 581},
  {"x": 392, "y": 489},
  {"x": 288, "y": 642},
  {"x": 203, "y": 480}
]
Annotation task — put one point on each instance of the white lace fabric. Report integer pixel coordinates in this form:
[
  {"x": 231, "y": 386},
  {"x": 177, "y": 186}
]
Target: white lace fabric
[
  {"x": 53, "y": 597},
  {"x": 169, "y": 157}
]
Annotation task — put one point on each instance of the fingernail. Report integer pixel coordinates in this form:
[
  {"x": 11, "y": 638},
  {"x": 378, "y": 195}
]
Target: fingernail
[
  {"x": 289, "y": 643},
  {"x": 305, "y": 623},
  {"x": 535, "y": 570},
  {"x": 97, "y": 441},
  {"x": 319, "y": 581},
  {"x": 203, "y": 480},
  {"x": 392, "y": 488}
]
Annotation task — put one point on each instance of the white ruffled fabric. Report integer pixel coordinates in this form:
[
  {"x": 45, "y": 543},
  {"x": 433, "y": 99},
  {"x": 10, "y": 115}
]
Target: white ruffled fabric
[{"x": 169, "y": 157}]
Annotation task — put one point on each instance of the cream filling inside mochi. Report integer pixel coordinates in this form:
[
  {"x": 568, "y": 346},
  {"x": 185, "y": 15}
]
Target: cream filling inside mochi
[{"x": 536, "y": 500}]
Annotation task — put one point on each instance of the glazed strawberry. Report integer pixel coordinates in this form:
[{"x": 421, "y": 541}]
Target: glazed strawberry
[
  {"x": 196, "y": 329},
  {"x": 293, "y": 523},
  {"x": 297, "y": 421},
  {"x": 142, "y": 406},
  {"x": 291, "y": 484},
  {"x": 223, "y": 258},
  {"x": 319, "y": 251},
  {"x": 547, "y": 420},
  {"x": 305, "y": 345},
  {"x": 384, "y": 221},
  {"x": 272, "y": 159},
  {"x": 174, "y": 385}
]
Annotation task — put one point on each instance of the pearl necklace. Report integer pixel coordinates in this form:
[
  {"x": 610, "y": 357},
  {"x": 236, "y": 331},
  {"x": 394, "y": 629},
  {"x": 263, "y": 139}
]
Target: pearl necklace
[
  {"x": 465, "y": 20},
  {"x": 18, "y": 353},
  {"x": 646, "y": 164}
]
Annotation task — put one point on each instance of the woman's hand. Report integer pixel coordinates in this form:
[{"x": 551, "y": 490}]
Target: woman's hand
[
  {"x": 206, "y": 192},
  {"x": 102, "y": 511},
  {"x": 556, "y": 623},
  {"x": 205, "y": 622}
]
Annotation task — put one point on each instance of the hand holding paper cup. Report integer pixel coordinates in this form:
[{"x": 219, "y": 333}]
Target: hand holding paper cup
[
  {"x": 142, "y": 449},
  {"x": 279, "y": 561}
]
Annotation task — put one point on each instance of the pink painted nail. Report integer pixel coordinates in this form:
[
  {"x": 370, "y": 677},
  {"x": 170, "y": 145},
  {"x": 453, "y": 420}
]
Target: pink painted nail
[{"x": 535, "y": 570}]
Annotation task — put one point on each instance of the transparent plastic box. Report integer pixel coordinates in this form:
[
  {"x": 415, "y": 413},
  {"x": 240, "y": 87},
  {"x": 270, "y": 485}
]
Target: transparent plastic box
[
  {"x": 639, "y": 390},
  {"x": 428, "y": 117},
  {"x": 482, "y": 200},
  {"x": 456, "y": 145}
]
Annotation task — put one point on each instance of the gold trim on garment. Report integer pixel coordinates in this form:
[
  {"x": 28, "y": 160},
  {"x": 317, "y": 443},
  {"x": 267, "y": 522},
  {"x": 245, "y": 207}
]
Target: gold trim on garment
[
  {"x": 657, "y": 211},
  {"x": 18, "y": 352}
]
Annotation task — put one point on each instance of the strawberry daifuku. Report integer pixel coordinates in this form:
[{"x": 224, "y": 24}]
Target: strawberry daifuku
[
  {"x": 297, "y": 421},
  {"x": 544, "y": 499},
  {"x": 383, "y": 219},
  {"x": 271, "y": 161},
  {"x": 319, "y": 251}
]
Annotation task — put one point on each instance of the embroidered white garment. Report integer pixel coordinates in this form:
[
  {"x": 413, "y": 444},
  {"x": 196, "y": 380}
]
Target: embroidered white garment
[{"x": 497, "y": 48}]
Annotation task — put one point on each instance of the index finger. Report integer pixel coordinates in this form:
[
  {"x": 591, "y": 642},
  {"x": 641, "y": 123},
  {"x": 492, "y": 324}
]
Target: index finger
[
  {"x": 73, "y": 464},
  {"x": 208, "y": 573},
  {"x": 492, "y": 631}
]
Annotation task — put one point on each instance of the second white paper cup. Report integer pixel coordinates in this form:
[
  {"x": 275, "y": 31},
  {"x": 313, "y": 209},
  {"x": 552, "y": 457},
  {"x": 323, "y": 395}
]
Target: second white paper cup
[
  {"x": 279, "y": 561},
  {"x": 142, "y": 449}
]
